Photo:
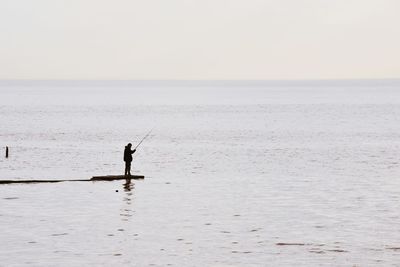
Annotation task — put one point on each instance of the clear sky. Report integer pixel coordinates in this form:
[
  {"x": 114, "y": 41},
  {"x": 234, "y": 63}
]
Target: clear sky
[{"x": 199, "y": 39}]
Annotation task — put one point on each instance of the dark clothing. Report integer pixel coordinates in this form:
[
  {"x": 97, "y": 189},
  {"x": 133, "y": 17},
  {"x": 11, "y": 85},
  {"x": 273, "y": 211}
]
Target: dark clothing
[
  {"x": 127, "y": 168},
  {"x": 128, "y": 159},
  {"x": 128, "y": 154}
]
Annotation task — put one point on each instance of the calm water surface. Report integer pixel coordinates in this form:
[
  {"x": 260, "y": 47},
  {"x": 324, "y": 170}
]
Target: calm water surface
[{"x": 266, "y": 175}]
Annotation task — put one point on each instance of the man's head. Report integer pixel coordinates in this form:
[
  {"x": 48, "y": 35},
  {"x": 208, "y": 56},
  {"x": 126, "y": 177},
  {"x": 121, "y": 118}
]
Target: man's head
[{"x": 129, "y": 145}]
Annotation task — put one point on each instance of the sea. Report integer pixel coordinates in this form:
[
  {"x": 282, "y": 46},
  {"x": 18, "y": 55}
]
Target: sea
[{"x": 237, "y": 173}]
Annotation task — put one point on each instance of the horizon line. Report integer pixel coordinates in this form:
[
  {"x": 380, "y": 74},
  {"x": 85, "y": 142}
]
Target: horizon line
[
  {"x": 240, "y": 83},
  {"x": 303, "y": 79}
]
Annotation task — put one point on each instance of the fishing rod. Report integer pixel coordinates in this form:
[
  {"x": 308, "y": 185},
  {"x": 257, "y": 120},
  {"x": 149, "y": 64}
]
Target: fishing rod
[{"x": 144, "y": 138}]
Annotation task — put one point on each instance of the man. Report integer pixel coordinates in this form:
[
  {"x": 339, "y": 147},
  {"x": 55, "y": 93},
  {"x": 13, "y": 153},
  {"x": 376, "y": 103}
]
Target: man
[{"x": 128, "y": 159}]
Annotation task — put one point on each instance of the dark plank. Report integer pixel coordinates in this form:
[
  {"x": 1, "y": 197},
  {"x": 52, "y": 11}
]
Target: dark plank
[
  {"x": 37, "y": 181},
  {"x": 93, "y": 179},
  {"x": 116, "y": 177}
]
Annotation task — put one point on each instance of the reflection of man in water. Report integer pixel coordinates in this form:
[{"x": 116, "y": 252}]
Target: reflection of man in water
[
  {"x": 128, "y": 158},
  {"x": 128, "y": 185}
]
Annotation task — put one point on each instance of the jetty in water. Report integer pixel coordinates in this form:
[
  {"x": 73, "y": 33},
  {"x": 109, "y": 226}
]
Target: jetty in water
[
  {"x": 116, "y": 177},
  {"x": 93, "y": 179}
]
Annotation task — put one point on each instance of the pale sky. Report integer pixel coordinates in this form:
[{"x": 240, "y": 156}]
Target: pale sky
[{"x": 199, "y": 39}]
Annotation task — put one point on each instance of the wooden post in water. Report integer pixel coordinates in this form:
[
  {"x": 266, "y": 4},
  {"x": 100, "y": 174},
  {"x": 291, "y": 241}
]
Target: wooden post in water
[{"x": 6, "y": 151}]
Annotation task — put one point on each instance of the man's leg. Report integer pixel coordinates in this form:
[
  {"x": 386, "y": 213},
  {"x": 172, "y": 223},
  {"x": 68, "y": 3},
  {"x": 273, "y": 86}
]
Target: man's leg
[
  {"x": 126, "y": 168},
  {"x": 129, "y": 168}
]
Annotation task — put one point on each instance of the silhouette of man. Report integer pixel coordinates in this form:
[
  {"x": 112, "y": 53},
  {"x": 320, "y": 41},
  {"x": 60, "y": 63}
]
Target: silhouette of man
[{"x": 128, "y": 158}]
